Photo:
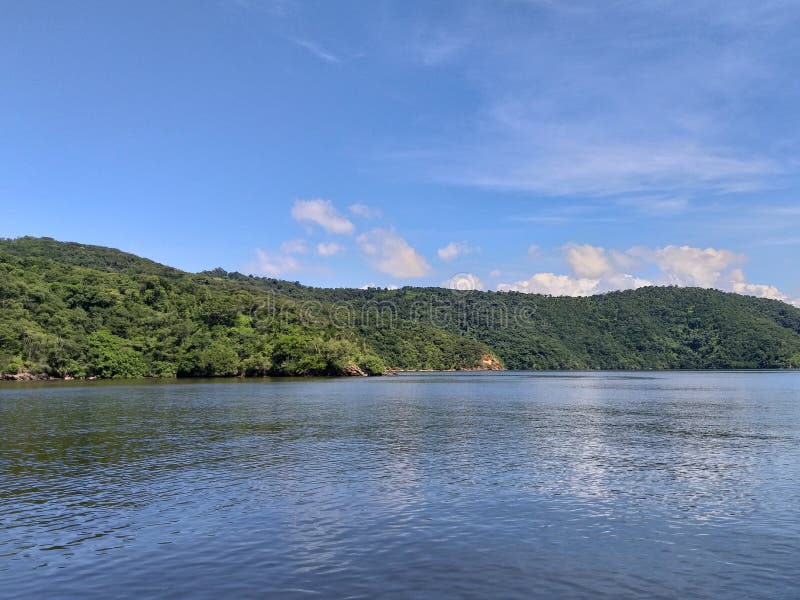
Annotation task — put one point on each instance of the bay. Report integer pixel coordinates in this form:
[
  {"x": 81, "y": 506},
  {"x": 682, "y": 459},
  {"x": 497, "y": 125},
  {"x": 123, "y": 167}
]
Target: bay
[{"x": 424, "y": 485}]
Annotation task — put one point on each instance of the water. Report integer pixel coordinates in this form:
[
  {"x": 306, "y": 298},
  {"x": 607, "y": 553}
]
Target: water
[{"x": 441, "y": 485}]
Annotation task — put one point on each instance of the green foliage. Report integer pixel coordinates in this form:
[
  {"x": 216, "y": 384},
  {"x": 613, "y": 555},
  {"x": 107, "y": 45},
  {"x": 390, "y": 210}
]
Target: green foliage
[
  {"x": 11, "y": 364},
  {"x": 110, "y": 356},
  {"x": 215, "y": 360},
  {"x": 77, "y": 310},
  {"x": 648, "y": 328}
]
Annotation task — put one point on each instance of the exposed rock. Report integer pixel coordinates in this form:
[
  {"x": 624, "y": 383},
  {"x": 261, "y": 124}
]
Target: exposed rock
[
  {"x": 26, "y": 376},
  {"x": 489, "y": 362},
  {"x": 353, "y": 371}
]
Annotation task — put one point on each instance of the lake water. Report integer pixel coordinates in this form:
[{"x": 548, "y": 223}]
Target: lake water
[{"x": 439, "y": 485}]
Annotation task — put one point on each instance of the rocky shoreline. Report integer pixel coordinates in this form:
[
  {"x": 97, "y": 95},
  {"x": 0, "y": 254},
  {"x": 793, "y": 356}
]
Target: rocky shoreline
[
  {"x": 26, "y": 376},
  {"x": 488, "y": 362}
]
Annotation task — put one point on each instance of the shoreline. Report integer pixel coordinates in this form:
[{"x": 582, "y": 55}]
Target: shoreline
[{"x": 44, "y": 378}]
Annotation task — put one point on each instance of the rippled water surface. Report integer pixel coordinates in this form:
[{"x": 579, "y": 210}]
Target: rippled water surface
[{"x": 504, "y": 485}]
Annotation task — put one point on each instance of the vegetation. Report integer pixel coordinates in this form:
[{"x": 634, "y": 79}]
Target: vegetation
[
  {"x": 83, "y": 311},
  {"x": 72, "y": 310}
]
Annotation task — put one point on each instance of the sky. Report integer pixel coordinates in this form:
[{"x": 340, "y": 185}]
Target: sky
[{"x": 560, "y": 147}]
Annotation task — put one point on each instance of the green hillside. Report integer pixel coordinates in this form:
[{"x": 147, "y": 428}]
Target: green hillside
[
  {"x": 648, "y": 328},
  {"x": 86, "y": 311}
]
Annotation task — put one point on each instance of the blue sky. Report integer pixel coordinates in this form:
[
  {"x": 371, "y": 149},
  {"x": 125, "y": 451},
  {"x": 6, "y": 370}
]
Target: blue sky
[{"x": 561, "y": 147}]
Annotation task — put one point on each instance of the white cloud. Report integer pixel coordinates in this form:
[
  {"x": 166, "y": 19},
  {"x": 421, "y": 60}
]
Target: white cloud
[
  {"x": 656, "y": 205},
  {"x": 374, "y": 286},
  {"x": 453, "y": 250},
  {"x": 687, "y": 266},
  {"x": 317, "y": 50},
  {"x": 624, "y": 260},
  {"x": 566, "y": 285},
  {"x": 555, "y": 285},
  {"x": 600, "y": 169},
  {"x": 294, "y": 247},
  {"x": 322, "y": 213},
  {"x": 272, "y": 265},
  {"x": 364, "y": 211},
  {"x": 588, "y": 261},
  {"x": 623, "y": 281},
  {"x": 534, "y": 250},
  {"x": 622, "y": 111},
  {"x": 329, "y": 248},
  {"x": 762, "y": 291},
  {"x": 494, "y": 273},
  {"x": 464, "y": 282},
  {"x": 740, "y": 286},
  {"x": 389, "y": 253},
  {"x": 596, "y": 270}
]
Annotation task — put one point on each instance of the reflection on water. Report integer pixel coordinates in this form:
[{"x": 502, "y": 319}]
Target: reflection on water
[{"x": 448, "y": 485}]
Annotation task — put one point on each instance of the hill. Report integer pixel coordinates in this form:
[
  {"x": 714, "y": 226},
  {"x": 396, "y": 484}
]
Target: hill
[{"x": 73, "y": 310}]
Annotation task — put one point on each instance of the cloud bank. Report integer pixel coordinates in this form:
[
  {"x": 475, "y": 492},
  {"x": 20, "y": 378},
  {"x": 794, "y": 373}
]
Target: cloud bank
[
  {"x": 453, "y": 250},
  {"x": 322, "y": 213},
  {"x": 272, "y": 265},
  {"x": 464, "y": 282},
  {"x": 591, "y": 269},
  {"x": 329, "y": 248},
  {"x": 595, "y": 270},
  {"x": 389, "y": 253}
]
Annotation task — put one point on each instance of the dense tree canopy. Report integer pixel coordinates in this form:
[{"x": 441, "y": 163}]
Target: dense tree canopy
[{"x": 75, "y": 310}]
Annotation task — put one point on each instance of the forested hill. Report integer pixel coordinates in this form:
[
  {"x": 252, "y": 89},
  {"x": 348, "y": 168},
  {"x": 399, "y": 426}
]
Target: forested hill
[
  {"x": 72, "y": 310},
  {"x": 648, "y": 328}
]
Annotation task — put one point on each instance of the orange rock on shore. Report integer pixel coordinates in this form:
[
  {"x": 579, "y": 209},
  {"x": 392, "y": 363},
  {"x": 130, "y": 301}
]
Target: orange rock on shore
[{"x": 489, "y": 362}]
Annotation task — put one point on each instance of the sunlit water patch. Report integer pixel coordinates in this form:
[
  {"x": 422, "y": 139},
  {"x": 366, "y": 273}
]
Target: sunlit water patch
[{"x": 512, "y": 485}]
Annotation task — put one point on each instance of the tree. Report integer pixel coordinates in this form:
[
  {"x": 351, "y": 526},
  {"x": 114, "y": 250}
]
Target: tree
[{"x": 111, "y": 357}]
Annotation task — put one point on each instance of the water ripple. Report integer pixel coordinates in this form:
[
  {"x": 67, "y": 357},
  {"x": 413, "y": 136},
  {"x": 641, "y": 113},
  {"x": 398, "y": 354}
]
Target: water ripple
[{"x": 424, "y": 485}]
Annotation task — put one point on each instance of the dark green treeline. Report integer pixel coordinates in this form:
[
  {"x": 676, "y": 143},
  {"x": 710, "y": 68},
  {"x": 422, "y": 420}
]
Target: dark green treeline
[{"x": 81, "y": 311}]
